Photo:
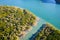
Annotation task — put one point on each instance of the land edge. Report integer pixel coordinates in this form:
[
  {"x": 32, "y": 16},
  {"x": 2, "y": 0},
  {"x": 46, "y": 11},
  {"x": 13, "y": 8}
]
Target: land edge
[
  {"x": 41, "y": 28},
  {"x": 35, "y": 24}
]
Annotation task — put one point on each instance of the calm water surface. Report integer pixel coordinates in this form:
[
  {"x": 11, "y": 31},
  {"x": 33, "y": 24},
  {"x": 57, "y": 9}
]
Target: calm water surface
[{"x": 48, "y": 11}]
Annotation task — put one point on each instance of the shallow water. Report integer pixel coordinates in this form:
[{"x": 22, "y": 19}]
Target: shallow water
[
  {"x": 34, "y": 30},
  {"x": 50, "y": 12}
]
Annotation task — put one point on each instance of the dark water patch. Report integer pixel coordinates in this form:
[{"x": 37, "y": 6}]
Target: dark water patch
[
  {"x": 51, "y": 1},
  {"x": 48, "y": 1},
  {"x": 57, "y": 1},
  {"x": 34, "y": 35}
]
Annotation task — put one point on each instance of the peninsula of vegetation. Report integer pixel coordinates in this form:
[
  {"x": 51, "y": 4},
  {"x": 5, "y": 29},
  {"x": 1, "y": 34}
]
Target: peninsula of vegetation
[
  {"x": 47, "y": 32},
  {"x": 15, "y": 22}
]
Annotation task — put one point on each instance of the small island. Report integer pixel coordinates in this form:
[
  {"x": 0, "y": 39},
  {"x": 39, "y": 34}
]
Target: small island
[
  {"x": 15, "y": 22},
  {"x": 47, "y": 32}
]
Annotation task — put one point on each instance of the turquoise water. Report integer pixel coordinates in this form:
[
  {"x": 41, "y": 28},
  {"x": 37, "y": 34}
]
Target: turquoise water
[
  {"x": 48, "y": 11},
  {"x": 34, "y": 30}
]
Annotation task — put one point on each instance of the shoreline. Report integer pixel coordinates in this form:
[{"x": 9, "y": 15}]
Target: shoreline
[
  {"x": 34, "y": 35},
  {"x": 21, "y": 24},
  {"x": 34, "y": 30},
  {"x": 53, "y": 26},
  {"x": 24, "y": 33},
  {"x": 36, "y": 21},
  {"x": 41, "y": 28}
]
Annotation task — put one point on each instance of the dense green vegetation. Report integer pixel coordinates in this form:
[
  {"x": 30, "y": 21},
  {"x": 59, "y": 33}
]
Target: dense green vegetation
[
  {"x": 48, "y": 33},
  {"x": 13, "y": 21}
]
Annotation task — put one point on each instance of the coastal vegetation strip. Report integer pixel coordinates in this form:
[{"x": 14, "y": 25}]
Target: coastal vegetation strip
[
  {"x": 48, "y": 32},
  {"x": 14, "y": 22}
]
